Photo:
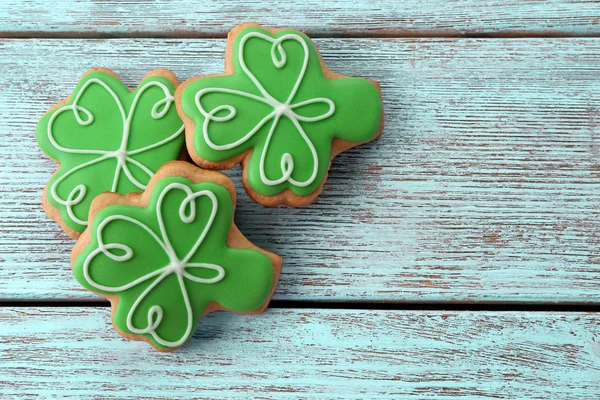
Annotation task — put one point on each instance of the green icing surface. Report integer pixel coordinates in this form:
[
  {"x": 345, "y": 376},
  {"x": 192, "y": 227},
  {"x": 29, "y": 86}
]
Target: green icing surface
[
  {"x": 240, "y": 118},
  {"x": 151, "y": 294},
  {"x": 86, "y": 150}
]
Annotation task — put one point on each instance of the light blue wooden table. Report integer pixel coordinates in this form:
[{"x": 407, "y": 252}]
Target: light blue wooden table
[{"x": 457, "y": 256}]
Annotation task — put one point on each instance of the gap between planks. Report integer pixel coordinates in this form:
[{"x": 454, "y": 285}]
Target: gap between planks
[
  {"x": 408, "y": 34},
  {"x": 340, "y": 305}
]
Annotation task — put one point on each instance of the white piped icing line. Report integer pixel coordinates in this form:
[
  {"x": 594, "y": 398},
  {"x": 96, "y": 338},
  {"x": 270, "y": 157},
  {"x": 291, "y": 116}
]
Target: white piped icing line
[
  {"x": 187, "y": 213},
  {"x": 279, "y": 59},
  {"x": 122, "y": 155}
]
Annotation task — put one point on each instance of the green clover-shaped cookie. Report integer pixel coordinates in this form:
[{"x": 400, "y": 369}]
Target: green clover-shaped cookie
[
  {"x": 107, "y": 138},
  {"x": 280, "y": 112},
  {"x": 169, "y": 256}
]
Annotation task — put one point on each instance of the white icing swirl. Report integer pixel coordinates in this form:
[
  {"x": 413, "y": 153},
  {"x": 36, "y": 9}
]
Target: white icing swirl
[
  {"x": 279, "y": 59},
  {"x": 176, "y": 265},
  {"x": 84, "y": 118}
]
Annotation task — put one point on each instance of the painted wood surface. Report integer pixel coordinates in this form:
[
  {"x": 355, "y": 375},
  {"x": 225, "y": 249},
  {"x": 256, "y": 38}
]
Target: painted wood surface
[
  {"x": 483, "y": 187},
  {"x": 325, "y": 354},
  {"x": 197, "y": 18}
]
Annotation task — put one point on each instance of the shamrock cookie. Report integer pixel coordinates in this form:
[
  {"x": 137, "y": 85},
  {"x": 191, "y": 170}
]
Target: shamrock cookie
[
  {"x": 172, "y": 254},
  {"x": 279, "y": 112},
  {"x": 107, "y": 138}
]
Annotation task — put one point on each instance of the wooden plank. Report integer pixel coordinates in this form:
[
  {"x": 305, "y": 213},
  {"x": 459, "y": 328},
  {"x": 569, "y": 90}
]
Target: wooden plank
[
  {"x": 197, "y": 18},
  {"x": 483, "y": 187},
  {"x": 325, "y": 354}
]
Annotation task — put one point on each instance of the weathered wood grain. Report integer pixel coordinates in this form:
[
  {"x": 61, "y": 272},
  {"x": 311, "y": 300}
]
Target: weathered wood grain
[
  {"x": 321, "y": 354},
  {"x": 197, "y": 18},
  {"x": 485, "y": 185}
]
